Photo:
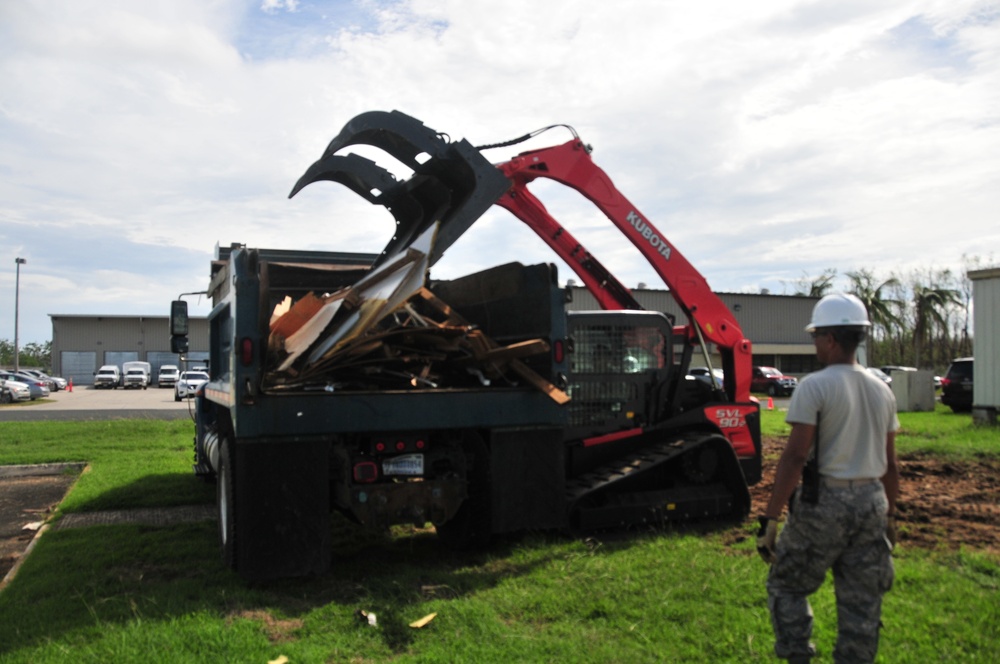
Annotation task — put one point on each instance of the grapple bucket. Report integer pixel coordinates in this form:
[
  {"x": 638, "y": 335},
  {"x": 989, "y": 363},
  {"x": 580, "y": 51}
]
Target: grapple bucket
[{"x": 452, "y": 183}]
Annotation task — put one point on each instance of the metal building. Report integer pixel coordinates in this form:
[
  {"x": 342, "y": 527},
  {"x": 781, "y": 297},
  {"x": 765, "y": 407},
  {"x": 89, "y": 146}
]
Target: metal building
[
  {"x": 986, "y": 344},
  {"x": 774, "y": 324},
  {"x": 83, "y": 343}
]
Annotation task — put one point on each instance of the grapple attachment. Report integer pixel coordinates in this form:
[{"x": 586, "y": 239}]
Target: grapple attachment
[{"x": 452, "y": 182}]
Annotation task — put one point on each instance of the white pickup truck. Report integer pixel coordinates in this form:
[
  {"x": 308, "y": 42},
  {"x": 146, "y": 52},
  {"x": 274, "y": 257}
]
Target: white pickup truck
[{"x": 108, "y": 376}]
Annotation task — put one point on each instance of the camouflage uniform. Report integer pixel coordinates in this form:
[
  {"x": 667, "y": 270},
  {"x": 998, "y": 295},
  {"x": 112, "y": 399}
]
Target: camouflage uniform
[{"x": 844, "y": 531}]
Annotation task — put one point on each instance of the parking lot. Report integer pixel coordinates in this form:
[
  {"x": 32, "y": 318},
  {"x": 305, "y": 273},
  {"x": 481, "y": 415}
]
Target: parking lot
[{"x": 86, "y": 403}]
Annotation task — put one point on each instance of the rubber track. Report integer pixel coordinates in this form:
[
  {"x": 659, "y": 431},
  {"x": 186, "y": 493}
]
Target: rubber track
[{"x": 635, "y": 463}]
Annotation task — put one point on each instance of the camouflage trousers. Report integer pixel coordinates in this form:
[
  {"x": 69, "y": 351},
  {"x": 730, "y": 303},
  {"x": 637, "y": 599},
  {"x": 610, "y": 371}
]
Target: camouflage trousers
[{"x": 846, "y": 532}]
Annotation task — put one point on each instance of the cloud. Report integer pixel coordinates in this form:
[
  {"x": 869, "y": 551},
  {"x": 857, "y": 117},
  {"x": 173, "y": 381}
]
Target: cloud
[{"x": 765, "y": 140}]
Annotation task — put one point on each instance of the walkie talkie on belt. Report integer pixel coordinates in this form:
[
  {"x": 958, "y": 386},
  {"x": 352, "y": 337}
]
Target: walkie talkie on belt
[{"x": 810, "y": 473}]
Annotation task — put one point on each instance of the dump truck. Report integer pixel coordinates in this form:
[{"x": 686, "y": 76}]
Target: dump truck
[{"x": 355, "y": 383}]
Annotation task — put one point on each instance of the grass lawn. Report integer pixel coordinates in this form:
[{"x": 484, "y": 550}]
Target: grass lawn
[{"x": 138, "y": 594}]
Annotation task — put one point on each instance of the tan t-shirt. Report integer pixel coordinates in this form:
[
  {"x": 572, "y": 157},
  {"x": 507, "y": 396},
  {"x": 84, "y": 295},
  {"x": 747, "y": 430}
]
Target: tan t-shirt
[{"x": 855, "y": 411}]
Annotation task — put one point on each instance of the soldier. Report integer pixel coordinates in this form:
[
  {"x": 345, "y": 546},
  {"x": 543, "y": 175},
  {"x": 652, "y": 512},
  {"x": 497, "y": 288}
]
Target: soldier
[{"x": 842, "y": 515}]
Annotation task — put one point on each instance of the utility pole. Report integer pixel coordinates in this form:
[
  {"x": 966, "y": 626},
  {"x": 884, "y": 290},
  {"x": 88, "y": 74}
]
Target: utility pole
[{"x": 17, "y": 306}]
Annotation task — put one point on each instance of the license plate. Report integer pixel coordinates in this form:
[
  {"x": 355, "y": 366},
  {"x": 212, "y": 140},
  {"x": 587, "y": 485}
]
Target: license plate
[{"x": 408, "y": 464}]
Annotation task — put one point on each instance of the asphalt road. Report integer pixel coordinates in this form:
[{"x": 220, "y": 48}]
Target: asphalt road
[{"x": 86, "y": 403}]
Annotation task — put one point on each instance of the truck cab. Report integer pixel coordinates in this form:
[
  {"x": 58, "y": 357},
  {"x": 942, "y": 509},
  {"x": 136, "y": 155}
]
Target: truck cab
[
  {"x": 135, "y": 375},
  {"x": 108, "y": 376}
]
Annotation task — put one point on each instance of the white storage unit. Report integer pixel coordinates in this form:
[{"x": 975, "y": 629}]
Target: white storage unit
[
  {"x": 914, "y": 391},
  {"x": 986, "y": 344}
]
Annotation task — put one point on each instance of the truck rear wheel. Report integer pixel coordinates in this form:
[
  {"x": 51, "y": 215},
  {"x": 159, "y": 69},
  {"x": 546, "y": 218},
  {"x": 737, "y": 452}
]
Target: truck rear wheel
[{"x": 224, "y": 500}]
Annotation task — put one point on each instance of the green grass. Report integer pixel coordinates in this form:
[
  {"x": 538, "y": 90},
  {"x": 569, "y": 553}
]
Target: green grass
[
  {"x": 132, "y": 463},
  {"x": 121, "y": 593},
  {"x": 940, "y": 433}
]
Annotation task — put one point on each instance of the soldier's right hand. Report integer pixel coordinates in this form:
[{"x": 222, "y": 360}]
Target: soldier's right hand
[{"x": 767, "y": 538}]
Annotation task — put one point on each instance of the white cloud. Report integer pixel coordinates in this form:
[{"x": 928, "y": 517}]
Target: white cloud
[{"x": 765, "y": 140}]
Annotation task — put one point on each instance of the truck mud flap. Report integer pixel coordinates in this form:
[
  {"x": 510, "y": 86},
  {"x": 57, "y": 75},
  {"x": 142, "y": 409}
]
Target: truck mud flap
[{"x": 684, "y": 478}]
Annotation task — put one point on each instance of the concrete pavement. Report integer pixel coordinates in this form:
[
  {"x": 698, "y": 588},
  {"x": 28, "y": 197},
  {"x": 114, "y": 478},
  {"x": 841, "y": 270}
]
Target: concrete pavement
[{"x": 86, "y": 403}]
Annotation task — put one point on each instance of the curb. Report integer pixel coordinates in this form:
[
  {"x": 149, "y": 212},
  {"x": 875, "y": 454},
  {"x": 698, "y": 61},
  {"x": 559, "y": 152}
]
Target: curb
[{"x": 40, "y": 469}]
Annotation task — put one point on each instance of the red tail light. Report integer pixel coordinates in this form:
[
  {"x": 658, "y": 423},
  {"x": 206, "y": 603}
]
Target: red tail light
[
  {"x": 365, "y": 472},
  {"x": 246, "y": 351},
  {"x": 558, "y": 351}
]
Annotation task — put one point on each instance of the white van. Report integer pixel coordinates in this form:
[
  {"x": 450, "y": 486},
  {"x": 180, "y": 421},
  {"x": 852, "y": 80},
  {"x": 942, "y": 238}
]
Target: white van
[{"x": 136, "y": 374}]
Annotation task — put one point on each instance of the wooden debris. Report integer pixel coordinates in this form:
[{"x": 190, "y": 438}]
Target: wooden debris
[{"x": 389, "y": 331}]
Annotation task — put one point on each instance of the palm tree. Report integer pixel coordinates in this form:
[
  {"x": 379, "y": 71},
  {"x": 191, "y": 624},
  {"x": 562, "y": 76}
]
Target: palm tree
[
  {"x": 818, "y": 286},
  {"x": 881, "y": 308},
  {"x": 930, "y": 305}
]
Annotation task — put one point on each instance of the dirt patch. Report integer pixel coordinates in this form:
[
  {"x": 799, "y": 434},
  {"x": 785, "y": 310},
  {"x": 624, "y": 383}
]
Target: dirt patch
[
  {"x": 941, "y": 504},
  {"x": 277, "y": 630},
  {"x": 25, "y": 501}
]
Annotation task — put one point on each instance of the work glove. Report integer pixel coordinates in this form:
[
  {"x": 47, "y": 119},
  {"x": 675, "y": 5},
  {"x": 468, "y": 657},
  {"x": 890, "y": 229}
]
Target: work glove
[
  {"x": 767, "y": 536},
  {"x": 890, "y": 531}
]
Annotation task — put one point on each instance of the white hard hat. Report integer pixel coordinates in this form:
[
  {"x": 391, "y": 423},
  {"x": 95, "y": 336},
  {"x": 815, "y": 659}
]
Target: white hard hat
[{"x": 838, "y": 310}]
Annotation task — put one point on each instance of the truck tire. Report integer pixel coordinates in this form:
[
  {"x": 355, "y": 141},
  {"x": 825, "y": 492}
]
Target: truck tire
[
  {"x": 471, "y": 527},
  {"x": 224, "y": 492}
]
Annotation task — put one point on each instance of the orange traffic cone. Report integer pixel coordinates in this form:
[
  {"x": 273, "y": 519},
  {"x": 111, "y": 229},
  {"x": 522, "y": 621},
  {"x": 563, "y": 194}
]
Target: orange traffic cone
[
  {"x": 770, "y": 403},
  {"x": 69, "y": 386}
]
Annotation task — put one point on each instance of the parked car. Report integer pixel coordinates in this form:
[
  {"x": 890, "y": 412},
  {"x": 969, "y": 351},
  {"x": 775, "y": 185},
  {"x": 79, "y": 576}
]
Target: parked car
[
  {"x": 55, "y": 383},
  {"x": 881, "y": 375},
  {"x": 35, "y": 373},
  {"x": 108, "y": 376},
  {"x": 188, "y": 384},
  {"x": 713, "y": 377},
  {"x": 772, "y": 381},
  {"x": 168, "y": 375},
  {"x": 889, "y": 368},
  {"x": 38, "y": 389},
  {"x": 956, "y": 386},
  {"x": 13, "y": 390}
]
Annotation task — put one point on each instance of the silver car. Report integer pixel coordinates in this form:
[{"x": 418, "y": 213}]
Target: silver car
[
  {"x": 13, "y": 390},
  {"x": 39, "y": 389}
]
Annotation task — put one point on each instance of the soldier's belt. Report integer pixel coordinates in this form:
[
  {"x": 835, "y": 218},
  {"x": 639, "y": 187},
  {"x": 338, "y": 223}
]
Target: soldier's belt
[{"x": 837, "y": 483}]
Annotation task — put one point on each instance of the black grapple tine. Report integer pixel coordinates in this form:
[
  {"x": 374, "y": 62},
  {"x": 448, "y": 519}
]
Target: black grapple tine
[{"x": 452, "y": 182}]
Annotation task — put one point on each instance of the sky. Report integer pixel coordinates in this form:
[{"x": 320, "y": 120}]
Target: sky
[{"x": 768, "y": 141}]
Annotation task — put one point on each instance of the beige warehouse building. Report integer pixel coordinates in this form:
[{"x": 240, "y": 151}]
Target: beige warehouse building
[{"x": 83, "y": 343}]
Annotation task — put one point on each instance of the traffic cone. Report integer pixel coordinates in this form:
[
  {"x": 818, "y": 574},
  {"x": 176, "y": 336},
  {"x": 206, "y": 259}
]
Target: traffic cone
[
  {"x": 69, "y": 386},
  {"x": 770, "y": 403}
]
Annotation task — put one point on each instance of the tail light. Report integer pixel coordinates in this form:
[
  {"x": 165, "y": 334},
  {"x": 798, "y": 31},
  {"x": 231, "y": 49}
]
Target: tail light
[
  {"x": 365, "y": 472},
  {"x": 246, "y": 351},
  {"x": 558, "y": 351}
]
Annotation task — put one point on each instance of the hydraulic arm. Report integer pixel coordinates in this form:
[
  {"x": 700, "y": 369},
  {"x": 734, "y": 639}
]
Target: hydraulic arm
[{"x": 571, "y": 165}]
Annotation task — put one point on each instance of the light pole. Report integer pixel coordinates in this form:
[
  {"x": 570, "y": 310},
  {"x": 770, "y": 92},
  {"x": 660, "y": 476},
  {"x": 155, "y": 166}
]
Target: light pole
[{"x": 17, "y": 306}]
